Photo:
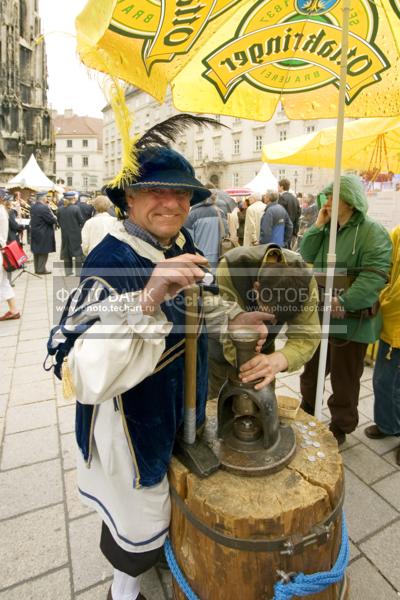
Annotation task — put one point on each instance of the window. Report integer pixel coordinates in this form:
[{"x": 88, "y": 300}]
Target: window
[
  {"x": 69, "y": 161},
  {"x": 310, "y": 128},
  {"x": 85, "y": 181},
  {"x": 259, "y": 142},
  {"x": 282, "y": 135},
  {"x": 237, "y": 120},
  {"x": 217, "y": 148},
  {"x": 69, "y": 143},
  {"x": 235, "y": 179},
  {"x": 69, "y": 181},
  {"x": 199, "y": 151},
  {"x": 282, "y": 173},
  {"x": 309, "y": 176},
  {"x": 236, "y": 146},
  {"x": 85, "y": 143},
  {"x": 85, "y": 161}
]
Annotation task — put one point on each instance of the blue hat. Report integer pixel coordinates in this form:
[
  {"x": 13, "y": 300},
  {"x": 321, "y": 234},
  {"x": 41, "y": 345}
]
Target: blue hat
[
  {"x": 69, "y": 194},
  {"x": 5, "y": 195},
  {"x": 161, "y": 167}
]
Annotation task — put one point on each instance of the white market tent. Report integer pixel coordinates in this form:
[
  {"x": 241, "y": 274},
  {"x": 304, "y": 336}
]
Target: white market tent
[
  {"x": 32, "y": 177},
  {"x": 264, "y": 181}
]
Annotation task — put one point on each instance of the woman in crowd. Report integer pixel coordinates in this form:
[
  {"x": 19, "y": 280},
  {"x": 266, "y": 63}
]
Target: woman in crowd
[
  {"x": 6, "y": 291},
  {"x": 96, "y": 228}
]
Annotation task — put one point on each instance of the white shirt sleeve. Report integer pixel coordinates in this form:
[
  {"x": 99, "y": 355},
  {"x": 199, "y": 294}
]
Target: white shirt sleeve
[{"x": 117, "y": 352}]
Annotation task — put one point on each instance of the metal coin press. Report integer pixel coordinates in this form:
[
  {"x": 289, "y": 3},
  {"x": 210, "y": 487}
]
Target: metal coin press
[{"x": 252, "y": 441}]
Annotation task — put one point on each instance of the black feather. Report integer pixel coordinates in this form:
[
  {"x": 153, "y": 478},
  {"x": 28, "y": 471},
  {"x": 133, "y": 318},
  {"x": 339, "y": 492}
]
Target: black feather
[{"x": 165, "y": 132}]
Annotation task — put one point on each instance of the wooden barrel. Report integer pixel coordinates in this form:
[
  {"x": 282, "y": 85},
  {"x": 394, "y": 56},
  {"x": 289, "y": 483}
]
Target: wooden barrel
[{"x": 232, "y": 534}]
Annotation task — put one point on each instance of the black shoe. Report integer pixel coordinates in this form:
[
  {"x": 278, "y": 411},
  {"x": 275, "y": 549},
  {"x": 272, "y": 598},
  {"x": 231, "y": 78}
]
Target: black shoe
[
  {"x": 109, "y": 596},
  {"x": 374, "y": 433},
  {"x": 339, "y": 435},
  {"x": 398, "y": 456}
]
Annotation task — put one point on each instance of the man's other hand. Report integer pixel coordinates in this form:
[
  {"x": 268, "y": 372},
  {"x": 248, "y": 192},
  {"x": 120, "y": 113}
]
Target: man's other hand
[
  {"x": 256, "y": 320},
  {"x": 263, "y": 366}
]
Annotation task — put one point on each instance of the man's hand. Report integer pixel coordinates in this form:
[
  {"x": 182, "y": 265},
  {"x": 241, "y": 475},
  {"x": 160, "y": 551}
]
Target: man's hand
[
  {"x": 324, "y": 216},
  {"x": 170, "y": 277},
  {"x": 255, "y": 320},
  {"x": 337, "y": 309},
  {"x": 264, "y": 366}
]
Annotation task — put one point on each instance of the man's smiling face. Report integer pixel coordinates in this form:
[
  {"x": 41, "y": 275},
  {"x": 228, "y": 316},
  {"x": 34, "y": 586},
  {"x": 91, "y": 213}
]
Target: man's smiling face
[{"x": 160, "y": 211}]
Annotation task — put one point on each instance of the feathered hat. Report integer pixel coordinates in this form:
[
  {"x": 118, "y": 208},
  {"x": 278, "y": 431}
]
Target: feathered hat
[{"x": 153, "y": 163}]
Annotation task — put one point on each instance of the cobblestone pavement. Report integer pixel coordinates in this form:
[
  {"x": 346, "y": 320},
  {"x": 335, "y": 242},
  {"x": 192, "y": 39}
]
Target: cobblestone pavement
[{"x": 49, "y": 541}]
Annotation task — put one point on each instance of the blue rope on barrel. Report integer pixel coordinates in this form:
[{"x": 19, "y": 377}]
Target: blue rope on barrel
[
  {"x": 304, "y": 585},
  {"x": 300, "y": 585},
  {"x": 177, "y": 573}
]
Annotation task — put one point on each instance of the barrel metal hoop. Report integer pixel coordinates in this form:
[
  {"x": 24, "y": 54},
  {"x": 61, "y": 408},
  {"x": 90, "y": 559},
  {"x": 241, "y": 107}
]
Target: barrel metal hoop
[{"x": 291, "y": 544}]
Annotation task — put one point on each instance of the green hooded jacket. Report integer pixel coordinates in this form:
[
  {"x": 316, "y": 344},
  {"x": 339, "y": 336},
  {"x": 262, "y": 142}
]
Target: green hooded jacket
[{"x": 361, "y": 242}]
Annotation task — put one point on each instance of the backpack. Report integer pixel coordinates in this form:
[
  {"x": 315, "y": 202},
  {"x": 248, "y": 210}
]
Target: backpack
[
  {"x": 225, "y": 242},
  {"x": 64, "y": 335},
  {"x": 14, "y": 257}
]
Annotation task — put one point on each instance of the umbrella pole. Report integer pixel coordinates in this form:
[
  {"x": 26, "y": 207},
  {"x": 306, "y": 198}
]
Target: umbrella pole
[{"x": 331, "y": 256}]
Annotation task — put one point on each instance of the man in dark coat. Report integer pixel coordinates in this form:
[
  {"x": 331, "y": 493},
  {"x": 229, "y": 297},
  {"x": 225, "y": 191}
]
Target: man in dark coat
[
  {"x": 43, "y": 240},
  {"x": 71, "y": 222},
  {"x": 290, "y": 202},
  {"x": 87, "y": 210}
]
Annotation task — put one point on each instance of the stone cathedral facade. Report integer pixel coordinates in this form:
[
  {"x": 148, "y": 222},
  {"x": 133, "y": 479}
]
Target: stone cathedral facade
[{"x": 25, "y": 119}]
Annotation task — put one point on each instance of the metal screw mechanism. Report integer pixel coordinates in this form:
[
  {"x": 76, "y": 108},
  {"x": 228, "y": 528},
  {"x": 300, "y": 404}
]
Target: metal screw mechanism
[{"x": 247, "y": 428}]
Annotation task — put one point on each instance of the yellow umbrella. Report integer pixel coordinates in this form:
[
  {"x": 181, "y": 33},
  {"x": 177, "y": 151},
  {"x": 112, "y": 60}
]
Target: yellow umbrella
[
  {"x": 241, "y": 57},
  {"x": 368, "y": 144},
  {"x": 320, "y": 58}
]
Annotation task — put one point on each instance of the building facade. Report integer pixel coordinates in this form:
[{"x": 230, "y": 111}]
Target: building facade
[
  {"x": 225, "y": 157},
  {"x": 79, "y": 151},
  {"x": 25, "y": 120}
]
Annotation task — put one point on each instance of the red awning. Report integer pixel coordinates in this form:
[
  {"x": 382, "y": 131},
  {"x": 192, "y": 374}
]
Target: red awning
[{"x": 238, "y": 192}]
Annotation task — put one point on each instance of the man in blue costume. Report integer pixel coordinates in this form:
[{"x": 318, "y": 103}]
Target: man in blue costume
[{"x": 128, "y": 366}]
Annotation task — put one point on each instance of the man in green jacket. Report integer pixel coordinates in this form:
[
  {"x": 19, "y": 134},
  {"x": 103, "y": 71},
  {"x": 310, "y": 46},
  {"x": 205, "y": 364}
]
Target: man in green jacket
[
  {"x": 269, "y": 278},
  {"x": 364, "y": 249}
]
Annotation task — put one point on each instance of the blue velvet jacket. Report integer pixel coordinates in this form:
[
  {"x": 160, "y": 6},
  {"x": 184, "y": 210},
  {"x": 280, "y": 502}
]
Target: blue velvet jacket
[{"x": 152, "y": 411}]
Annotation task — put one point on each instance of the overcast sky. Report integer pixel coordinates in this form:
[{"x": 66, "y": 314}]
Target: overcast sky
[{"x": 71, "y": 85}]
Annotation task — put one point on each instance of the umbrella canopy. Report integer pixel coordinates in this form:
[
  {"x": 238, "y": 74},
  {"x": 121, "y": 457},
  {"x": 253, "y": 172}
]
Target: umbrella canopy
[
  {"x": 264, "y": 181},
  {"x": 320, "y": 58},
  {"x": 367, "y": 144},
  {"x": 241, "y": 57},
  {"x": 32, "y": 177}
]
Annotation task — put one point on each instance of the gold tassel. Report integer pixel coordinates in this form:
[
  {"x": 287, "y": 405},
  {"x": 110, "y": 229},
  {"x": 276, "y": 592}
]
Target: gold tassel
[
  {"x": 389, "y": 354},
  {"x": 68, "y": 388},
  {"x": 123, "y": 118}
]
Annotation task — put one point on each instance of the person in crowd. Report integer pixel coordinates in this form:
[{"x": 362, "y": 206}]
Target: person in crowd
[
  {"x": 71, "y": 222},
  {"x": 363, "y": 247},
  {"x": 207, "y": 225},
  {"x": 241, "y": 217},
  {"x": 386, "y": 379},
  {"x": 98, "y": 226},
  {"x": 309, "y": 210},
  {"x": 14, "y": 228},
  {"x": 252, "y": 223},
  {"x": 43, "y": 240},
  {"x": 278, "y": 281},
  {"x": 6, "y": 292},
  {"x": 86, "y": 208},
  {"x": 276, "y": 226},
  {"x": 136, "y": 353},
  {"x": 290, "y": 203}
]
